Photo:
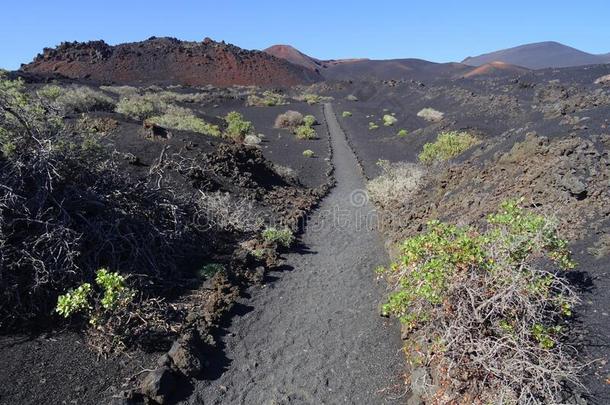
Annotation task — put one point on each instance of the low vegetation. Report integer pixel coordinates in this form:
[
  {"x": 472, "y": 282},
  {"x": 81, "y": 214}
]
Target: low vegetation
[
  {"x": 305, "y": 132},
  {"x": 139, "y": 107},
  {"x": 183, "y": 119},
  {"x": 309, "y": 120},
  {"x": 237, "y": 127},
  {"x": 485, "y": 309},
  {"x": 402, "y": 133},
  {"x": 268, "y": 99},
  {"x": 282, "y": 237},
  {"x": 289, "y": 120},
  {"x": 389, "y": 120},
  {"x": 346, "y": 114},
  {"x": 447, "y": 145},
  {"x": 396, "y": 183},
  {"x": 308, "y": 153},
  {"x": 80, "y": 99},
  {"x": 373, "y": 126},
  {"x": 430, "y": 114}
]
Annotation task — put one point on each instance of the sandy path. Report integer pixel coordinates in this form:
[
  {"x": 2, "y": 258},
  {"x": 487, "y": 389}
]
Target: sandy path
[{"x": 314, "y": 335}]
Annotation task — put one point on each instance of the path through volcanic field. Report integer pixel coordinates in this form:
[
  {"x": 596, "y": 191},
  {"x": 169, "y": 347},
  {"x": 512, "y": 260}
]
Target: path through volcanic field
[{"x": 314, "y": 335}]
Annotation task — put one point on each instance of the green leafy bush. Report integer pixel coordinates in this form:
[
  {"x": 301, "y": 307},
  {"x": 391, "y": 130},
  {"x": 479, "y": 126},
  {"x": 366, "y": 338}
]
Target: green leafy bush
[
  {"x": 114, "y": 294},
  {"x": 447, "y": 145},
  {"x": 311, "y": 98},
  {"x": 389, "y": 120},
  {"x": 183, "y": 119},
  {"x": 308, "y": 153},
  {"x": 282, "y": 237},
  {"x": 309, "y": 120},
  {"x": 402, "y": 133},
  {"x": 139, "y": 107},
  {"x": 305, "y": 132},
  {"x": 74, "y": 301},
  {"x": 51, "y": 92},
  {"x": 237, "y": 127},
  {"x": 346, "y": 114},
  {"x": 372, "y": 126},
  {"x": 485, "y": 304}
]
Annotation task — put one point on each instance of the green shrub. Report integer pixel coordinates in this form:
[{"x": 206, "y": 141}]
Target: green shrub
[
  {"x": 139, "y": 107},
  {"x": 84, "y": 99},
  {"x": 312, "y": 98},
  {"x": 461, "y": 293},
  {"x": 346, "y": 114},
  {"x": 308, "y": 153},
  {"x": 268, "y": 99},
  {"x": 51, "y": 92},
  {"x": 309, "y": 120},
  {"x": 183, "y": 119},
  {"x": 402, "y": 133},
  {"x": 237, "y": 127},
  {"x": 282, "y": 237},
  {"x": 114, "y": 294},
  {"x": 447, "y": 145},
  {"x": 372, "y": 126},
  {"x": 305, "y": 132},
  {"x": 74, "y": 301},
  {"x": 209, "y": 270},
  {"x": 123, "y": 91},
  {"x": 389, "y": 120}
]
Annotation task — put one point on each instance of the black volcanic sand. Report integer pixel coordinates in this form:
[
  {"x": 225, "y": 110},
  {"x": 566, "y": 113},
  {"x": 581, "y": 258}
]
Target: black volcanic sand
[
  {"x": 57, "y": 366},
  {"x": 315, "y": 335},
  {"x": 500, "y": 111}
]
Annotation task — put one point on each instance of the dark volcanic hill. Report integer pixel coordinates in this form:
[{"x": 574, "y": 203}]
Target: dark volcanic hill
[
  {"x": 539, "y": 55},
  {"x": 169, "y": 61}
]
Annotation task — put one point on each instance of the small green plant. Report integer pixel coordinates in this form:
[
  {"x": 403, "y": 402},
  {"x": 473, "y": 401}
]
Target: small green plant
[
  {"x": 389, "y": 120},
  {"x": 209, "y": 270},
  {"x": 84, "y": 99},
  {"x": 447, "y": 145},
  {"x": 346, "y": 114},
  {"x": 309, "y": 120},
  {"x": 237, "y": 127},
  {"x": 74, "y": 301},
  {"x": 373, "y": 126},
  {"x": 311, "y": 98},
  {"x": 305, "y": 132},
  {"x": 114, "y": 294},
  {"x": 308, "y": 153},
  {"x": 282, "y": 237},
  {"x": 402, "y": 133}
]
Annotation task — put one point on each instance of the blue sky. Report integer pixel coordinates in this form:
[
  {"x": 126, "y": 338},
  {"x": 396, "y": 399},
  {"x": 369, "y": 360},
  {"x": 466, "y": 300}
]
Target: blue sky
[{"x": 433, "y": 30}]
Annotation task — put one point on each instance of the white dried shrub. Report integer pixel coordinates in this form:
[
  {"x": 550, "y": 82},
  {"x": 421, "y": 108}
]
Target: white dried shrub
[
  {"x": 396, "y": 184},
  {"x": 290, "y": 119},
  {"x": 430, "y": 114},
  {"x": 230, "y": 214}
]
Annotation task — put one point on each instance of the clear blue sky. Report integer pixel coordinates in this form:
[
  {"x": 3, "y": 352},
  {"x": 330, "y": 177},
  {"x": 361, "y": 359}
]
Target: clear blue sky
[{"x": 433, "y": 30}]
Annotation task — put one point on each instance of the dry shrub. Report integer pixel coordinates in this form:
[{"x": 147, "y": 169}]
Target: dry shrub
[
  {"x": 396, "y": 184},
  {"x": 430, "y": 114},
  {"x": 228, "y": 214},
  {"x": 84, "y": 99},
  {"x": 486, "y": 310},
  {"x": 289, "y": 120}
]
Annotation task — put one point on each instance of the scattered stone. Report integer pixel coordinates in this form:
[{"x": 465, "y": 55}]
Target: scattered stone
[
  {"x": 186, "y": 357},
  {"x": 159, "y": 384}
]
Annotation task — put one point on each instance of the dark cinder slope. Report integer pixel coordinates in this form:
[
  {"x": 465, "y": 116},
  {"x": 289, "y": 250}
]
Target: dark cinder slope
[
  {"x": 168, "y": 61},
  {"x": 539, "y": 55}
]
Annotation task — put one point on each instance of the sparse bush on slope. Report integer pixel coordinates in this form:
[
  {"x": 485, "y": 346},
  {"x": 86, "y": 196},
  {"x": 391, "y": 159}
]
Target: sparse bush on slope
[
  {"x": 183, "y": 119},
  {"x": 389, "y": 120},
  {"x": 396, "y": 183},
  {"x": 237, "y": 127},
  {"x": 484, "y": 312},
  {"x": 84, "y": 99},
  {"x": 268, "y": 99},
  {"x": 430, "y": 114},
  {"x": 290, "y": 120},
  {"x": 447, "y": 145}
]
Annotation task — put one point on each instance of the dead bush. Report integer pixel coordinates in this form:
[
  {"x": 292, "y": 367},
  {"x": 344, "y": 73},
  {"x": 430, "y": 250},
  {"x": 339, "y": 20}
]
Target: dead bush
[{"x": 289, "y": 120}]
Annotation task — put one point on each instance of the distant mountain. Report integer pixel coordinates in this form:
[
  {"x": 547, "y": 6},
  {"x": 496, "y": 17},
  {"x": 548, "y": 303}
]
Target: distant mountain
[
  {"x": 295, "y": 56},
  {"x": 496, "y": 69},
  {"x": 169, "y": 61},
  {"x": 539, "y": 55}
]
